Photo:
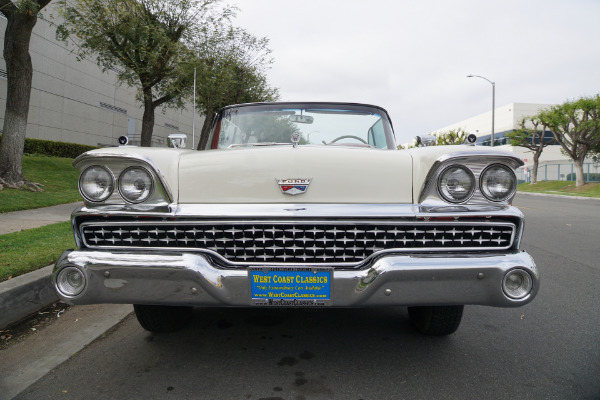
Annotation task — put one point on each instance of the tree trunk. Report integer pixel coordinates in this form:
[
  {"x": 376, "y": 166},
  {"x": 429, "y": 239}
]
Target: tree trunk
[
  {"x": 19, "y": 73},
  {"x": 534, "y": 169},
  {"x": 148, "y": 119},
  {"x": 208, "y": 119},
  {"x": 580, "y": 178}
]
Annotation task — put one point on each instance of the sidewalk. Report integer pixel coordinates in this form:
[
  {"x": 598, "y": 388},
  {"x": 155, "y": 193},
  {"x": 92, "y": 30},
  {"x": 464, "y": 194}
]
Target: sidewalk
[
  {"x": 559, "y": 196},
  {"x": 27, "y": 219},
  {"x": 26, "y": 362}
]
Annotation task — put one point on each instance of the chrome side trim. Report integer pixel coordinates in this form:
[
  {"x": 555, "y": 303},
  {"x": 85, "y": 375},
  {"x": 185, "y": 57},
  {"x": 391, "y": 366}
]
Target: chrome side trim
[
  {"x": 283, "y": 210},
  {"x": 482, "y": 152},
  {"x": 387, "y": 211},
  {"x": 130, "y": 210},
  {"x": 302, "y": 210}
]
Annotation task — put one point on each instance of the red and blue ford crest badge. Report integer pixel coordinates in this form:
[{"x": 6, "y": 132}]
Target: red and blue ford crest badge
[{"x": 293, "y": 186}]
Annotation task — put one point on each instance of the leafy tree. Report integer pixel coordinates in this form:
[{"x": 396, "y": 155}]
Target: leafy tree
[
  {"x": 532, "y": 139},
  {"x": 21, "y": 16},
  {"x": 148, "y": 40},
  {"x": 595, "y": 154},
  {"x": 231, "y": 69},
  {"x": 453, "y": 136},
  {"x": 576, "y": 127}
]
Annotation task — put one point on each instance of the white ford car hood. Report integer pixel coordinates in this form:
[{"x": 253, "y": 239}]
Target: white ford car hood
[{"x": 338, "y": 175}]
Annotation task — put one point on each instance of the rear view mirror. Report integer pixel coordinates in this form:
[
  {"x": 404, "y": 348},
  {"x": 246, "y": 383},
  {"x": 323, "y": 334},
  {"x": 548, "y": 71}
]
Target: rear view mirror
[{"x": 301, "y": 119}]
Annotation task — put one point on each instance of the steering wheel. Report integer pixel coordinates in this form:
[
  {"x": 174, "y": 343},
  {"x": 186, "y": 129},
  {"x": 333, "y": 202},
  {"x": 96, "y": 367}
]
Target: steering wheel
[{"x": 348, "y": 137}]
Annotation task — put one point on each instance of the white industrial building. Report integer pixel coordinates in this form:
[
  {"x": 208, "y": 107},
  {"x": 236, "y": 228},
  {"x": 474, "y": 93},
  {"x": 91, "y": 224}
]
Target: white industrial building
[
  {"x": 553, "y": 164},
  {"x": 74, "y": 101},
  {"x": 507, "y": 118}
]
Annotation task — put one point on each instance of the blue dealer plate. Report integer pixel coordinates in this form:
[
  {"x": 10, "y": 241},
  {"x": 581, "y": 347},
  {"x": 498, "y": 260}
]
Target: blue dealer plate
[{"x": 290, "y": 286}]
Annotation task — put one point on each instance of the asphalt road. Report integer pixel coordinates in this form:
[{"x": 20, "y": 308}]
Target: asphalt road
[{"x": 549, "y": 349}]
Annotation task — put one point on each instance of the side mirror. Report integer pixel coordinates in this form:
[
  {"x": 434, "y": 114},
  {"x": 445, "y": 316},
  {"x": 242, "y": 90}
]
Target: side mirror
[{"x": 178, "y": 140}]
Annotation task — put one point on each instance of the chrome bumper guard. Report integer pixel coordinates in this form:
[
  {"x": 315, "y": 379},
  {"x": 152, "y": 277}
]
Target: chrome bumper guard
[{"x": 180, "y": 278}]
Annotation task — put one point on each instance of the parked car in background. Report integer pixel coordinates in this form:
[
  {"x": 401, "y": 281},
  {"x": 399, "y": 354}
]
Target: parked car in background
[{"x": 298, "y": 205}]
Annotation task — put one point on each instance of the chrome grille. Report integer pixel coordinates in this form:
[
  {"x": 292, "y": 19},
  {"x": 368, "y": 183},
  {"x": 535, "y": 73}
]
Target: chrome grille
[{"x": 300, "y": 242}]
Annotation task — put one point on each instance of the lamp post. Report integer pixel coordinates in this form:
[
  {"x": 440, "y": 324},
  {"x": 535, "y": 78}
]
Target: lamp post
[
  {"x": 194, "y": 114},
  {"x": 493, "y": 101}
]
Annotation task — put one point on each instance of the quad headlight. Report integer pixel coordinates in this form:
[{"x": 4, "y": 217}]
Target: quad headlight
[
  {"x": 456, "y": 184},
  {"x": 135, "y": 184},
  {"x": 96, "y": 183},
  {"x": 498, "y": 182}
]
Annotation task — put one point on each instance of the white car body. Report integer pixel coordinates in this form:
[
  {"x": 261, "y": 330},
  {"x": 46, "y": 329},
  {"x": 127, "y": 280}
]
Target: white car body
[{"x": 374, "y": 225}]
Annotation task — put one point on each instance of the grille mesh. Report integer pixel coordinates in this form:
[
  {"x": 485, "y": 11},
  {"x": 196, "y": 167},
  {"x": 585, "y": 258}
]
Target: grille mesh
[{"x": 294, "y": 242}]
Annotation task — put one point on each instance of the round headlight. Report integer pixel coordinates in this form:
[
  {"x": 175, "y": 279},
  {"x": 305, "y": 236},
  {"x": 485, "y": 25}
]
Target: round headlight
[
  {"x": 498, "y": 182},
  {"x": 70, "y": 281},
  {"x": 517, "y": 284},
  {"x": 135, "y": 184},
  {"x": 456, "y": 184},
  {"x": 96, "y": 183}
]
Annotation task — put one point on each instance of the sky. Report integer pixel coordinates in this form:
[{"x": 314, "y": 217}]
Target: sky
[{"x": 413, "y": 57}]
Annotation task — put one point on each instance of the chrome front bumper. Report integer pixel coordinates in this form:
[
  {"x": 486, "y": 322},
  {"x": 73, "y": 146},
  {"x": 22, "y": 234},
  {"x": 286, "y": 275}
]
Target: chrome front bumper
[{"x": 179, "y": 278}]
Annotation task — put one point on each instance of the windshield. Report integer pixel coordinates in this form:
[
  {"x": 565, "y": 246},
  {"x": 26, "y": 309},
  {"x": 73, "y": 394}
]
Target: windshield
[{"x": 308, "y": 124}]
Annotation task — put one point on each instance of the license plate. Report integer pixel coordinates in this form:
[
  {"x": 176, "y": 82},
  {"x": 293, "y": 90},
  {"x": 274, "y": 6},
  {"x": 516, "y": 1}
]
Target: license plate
[{"x": 291, "y": 286}]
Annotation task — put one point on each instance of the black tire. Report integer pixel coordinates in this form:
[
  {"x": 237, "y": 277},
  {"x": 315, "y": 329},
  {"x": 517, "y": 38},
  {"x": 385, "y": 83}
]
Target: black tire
[
  {"x": 162, "y": 319},
  {"x": 436, "y": 320}
]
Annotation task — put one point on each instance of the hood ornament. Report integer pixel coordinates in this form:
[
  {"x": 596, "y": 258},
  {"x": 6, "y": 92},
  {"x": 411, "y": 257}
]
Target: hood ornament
[
  {"x": 293, "y": 186},
  {"x": 295, "y": 138}
]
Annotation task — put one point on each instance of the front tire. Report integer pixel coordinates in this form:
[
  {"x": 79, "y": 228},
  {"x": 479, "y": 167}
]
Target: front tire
[
  {"x": 162, "y": 319},
  {"x": 436, "y": 320}
]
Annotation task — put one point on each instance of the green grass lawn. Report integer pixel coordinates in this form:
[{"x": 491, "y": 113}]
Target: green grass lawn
[
  {"x": 32, "y": 249},
  {"x": 58, "y": 176},
  {"x": 562, "y": 187}
]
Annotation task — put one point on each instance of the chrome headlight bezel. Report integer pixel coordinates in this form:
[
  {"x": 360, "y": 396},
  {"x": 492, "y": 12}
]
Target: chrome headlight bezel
[
  {"x": 485, "y": 189},
  {"x": 448, "y": 196},
  {"x": 107, "y": 194},
  {"x": 517, "y": 284},
  {"x": 149, "y": 191},
  {"x": 70, "y": 281},
  {"x": 476, "y": 160}
]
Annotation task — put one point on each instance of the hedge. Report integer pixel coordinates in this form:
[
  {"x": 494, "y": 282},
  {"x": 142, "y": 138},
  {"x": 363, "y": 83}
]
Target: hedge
[
  {"x": 591, "y": 177},
  {"x": 54, "y": 149}
]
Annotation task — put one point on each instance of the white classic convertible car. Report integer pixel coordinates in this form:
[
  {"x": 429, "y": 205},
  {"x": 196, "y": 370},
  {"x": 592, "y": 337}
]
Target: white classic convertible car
[{"x": 298, "y": 205}]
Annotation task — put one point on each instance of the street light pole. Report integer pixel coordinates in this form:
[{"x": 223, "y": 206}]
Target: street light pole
[
  {"x": 493, "y": 102},
  {"x": 194, "y": 114}
]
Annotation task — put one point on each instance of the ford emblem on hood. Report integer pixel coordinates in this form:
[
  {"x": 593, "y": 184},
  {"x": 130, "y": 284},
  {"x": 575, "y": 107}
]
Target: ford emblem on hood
[{"x": 293, "y": 186}]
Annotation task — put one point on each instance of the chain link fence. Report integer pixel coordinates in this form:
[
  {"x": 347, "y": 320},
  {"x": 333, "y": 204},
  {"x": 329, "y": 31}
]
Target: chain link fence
[{"x": 559, "y": 172}]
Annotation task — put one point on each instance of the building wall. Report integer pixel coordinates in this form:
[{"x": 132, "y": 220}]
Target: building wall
[
  {"x": 506, "y": 118},
  {"x": 74, "y": 101}
]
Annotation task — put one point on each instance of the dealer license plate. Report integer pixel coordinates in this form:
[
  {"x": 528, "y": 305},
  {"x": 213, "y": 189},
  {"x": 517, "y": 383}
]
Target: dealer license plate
[{"x": 291, "y": 287}]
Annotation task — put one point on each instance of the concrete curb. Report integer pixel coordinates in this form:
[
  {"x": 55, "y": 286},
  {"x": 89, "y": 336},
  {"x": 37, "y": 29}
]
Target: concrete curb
[
  {"x": 25, "y": 294},
  {"x": 560, "y": 196}
]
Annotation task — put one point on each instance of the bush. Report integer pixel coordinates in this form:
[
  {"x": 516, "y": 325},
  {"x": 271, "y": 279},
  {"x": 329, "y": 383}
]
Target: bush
[
  {"x": 591, "y": 177},
  {"x": 54, "y": 149}
]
